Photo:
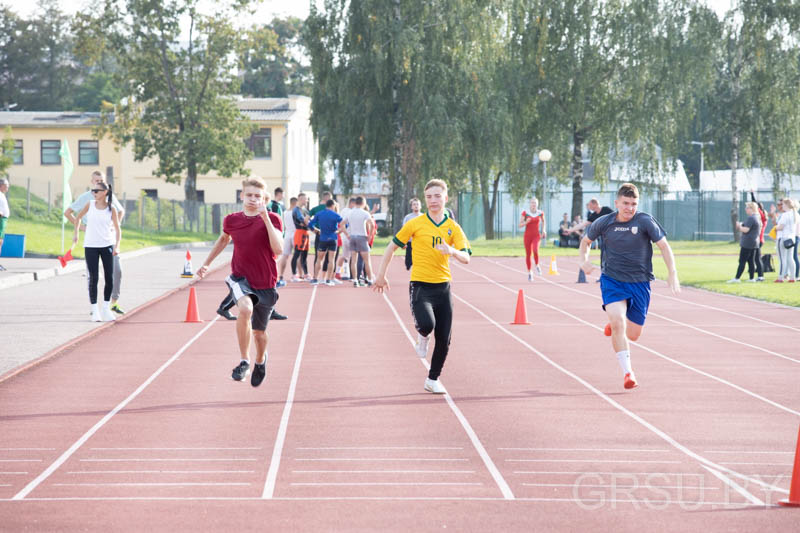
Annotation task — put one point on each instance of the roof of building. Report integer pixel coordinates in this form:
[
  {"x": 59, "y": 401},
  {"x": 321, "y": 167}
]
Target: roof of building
[
  {"x": 746, "y": 179},
  {"x": 46, "y": 119}
]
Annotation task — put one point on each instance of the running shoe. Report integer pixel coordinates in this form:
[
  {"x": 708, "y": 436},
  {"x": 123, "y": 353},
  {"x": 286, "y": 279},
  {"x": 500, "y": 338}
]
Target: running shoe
[
  {"x": 530, "y": 276},
  {"x": 295, "y": 279},
  {"x": 277, "y": 316},
  {"x": 433, "y": 385},
  {"x": 752, "y": 280},
  {"x": 629, "y": 381},
  {"x": 422, "y": 346},
  {"x": 760, "y": 279},
  {"x": 281, "y": 283},
  {"x": 330, "y": 283},
  {"x": 336, "y": 281},
  {"x": 314, "y": 281},
  {"x": 224, "y": 313},
  {"x": 106, "y": 314},
  {"x": 337, "y": 276},
  {"x": 791, "y": 281},
  {"x": 734, "y": 280},
  {"x": 607, "y": 330},
  {"x": 240, "y": 372},
  {"x": 538, "y": 270},
  {"x": 95, "y": 313},
  {"x": 117, "y": 309},
  {"x": 258, "y": 375},
  {"x": 778, "y": 280}
]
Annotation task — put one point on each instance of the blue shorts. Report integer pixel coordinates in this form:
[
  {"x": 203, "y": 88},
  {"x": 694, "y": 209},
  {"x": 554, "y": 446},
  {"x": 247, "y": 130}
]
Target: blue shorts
[{"x": 637, "y": 296}]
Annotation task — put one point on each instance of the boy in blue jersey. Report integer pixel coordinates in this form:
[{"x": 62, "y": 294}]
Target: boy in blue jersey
[
  {"x": 329, "y": 224},
  {"x": 627, "y": 269}
]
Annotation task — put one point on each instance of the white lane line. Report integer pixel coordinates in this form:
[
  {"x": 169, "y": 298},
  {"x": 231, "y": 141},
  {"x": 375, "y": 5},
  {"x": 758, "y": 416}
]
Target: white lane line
[
  {"x": 27, "y": 449},
  {"x": 681, "y": 474},
  {"x": 151, "y": 484},
  {"x": 591, "y": 461},
  {"x": 388, "y": 459},
  {"x": 383, "y": 471},
  {"x": 618, "y": 486},
  {"x": 473, "y": 437},
  {"x": 280, "y": 439},
  {"x": 582, "y": 450},
  {"x": 607, "y": 398},
  {"x": 162, "y": 472},
  {"x": 662, "y": 317},
  {"x": 20, "y": 460},
  {"x": 642, "y": 346},
  {"x": 170, "y": 459},
  {"x": 388, "y": 484},
  {"x": 737, "y": 452},
  {"x": 386, "y": 448},
  {"x": 738, "y": 488},
  {"x": 94, "y": 429},
  {"x": 761, "y": 464},
  {"x": 178, "y": 449},
  {"x": 12, "y": 473}
]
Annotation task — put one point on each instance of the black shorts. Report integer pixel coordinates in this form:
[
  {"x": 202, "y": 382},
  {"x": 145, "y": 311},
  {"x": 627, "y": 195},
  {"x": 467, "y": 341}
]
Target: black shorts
[
  {"x": 327, "y": 246},
  {"x": 264, "y": 300}
]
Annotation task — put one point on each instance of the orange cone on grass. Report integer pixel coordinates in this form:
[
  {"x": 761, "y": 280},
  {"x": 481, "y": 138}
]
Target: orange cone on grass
[
  {"x": 192, "y": 314},
  {"x": 521, "y": 314},
  {"x": 553, "y": 267},
  {"x": 66, "y": 258},
  {"x": 794, "y": 487}
]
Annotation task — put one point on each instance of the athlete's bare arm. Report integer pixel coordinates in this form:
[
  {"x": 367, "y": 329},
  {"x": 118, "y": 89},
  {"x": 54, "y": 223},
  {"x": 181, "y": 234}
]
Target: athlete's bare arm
[
  {"x": 669, "y": 260},
  {"x": 460, "y": 255},
  {"x": 275, "y": 237},
  {"x": 381, "y": 283},
  {"x": 583, "y": 255},
  {"x": 220, "y": 245}
]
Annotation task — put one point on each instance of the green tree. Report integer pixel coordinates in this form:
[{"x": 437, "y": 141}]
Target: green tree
[
  {"x": 176, "y": 88},
  {"x": 6, "y": 153},
  {"x": 271, "y": 60}
]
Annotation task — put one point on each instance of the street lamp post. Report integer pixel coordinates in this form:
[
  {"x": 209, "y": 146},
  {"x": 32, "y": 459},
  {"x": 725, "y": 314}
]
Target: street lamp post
[
  {"x": 700, "y": 144},
  {"x": 544, "y": 157}
]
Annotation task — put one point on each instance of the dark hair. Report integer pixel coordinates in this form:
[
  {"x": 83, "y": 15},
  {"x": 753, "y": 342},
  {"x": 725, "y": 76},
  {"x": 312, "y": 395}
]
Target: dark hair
[
  {"x": 327, "y": 193},
  {"x": 277, "y": 190},
  {"x": 359, "y": 200},
  {"x": 110, "y": 197},
  {"x": 330, "y": 203},
  {"x": 629, "y": 190}
]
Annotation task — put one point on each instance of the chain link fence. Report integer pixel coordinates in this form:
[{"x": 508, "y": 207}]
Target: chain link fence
[
  {"x": 157, "y": 215},
  {"x": 694, "y": 215}
]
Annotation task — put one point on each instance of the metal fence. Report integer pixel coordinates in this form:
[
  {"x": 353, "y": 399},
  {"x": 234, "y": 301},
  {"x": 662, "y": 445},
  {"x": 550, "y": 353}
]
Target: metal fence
[
  {"x": 148, "y": 214},
  {"x": 695, "y": 215}
]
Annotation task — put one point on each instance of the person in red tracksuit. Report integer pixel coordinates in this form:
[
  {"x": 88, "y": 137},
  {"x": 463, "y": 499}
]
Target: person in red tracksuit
[{"x": 533, "y": 222}]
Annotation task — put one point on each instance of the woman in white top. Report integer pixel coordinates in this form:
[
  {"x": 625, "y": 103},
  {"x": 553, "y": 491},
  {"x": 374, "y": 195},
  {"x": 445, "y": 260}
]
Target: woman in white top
[
  {"x": 787, "y": 231},
  {"x": 100, "y": 242}
]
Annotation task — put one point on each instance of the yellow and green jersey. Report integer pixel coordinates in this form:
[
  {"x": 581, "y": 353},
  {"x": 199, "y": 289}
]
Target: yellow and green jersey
[{"x": 429, "y": 265}]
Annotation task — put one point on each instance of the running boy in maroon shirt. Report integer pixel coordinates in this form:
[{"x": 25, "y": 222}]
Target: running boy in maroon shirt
[{"x": 258, "y": 240}]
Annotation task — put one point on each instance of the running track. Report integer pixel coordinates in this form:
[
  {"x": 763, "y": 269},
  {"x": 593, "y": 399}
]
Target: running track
[{"x": 140, "y": 425}]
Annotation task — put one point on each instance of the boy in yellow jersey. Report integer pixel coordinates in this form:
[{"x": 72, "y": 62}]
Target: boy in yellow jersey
[{"x": 436, "y": 237}]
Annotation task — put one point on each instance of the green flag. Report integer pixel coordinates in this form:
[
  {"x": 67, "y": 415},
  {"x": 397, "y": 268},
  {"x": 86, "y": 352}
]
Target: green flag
[{"x": 66, "y": 160}]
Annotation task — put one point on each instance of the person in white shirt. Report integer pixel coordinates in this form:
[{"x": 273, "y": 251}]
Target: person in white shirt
[
  {"x": 4, "y": 211},
  {"x": 100, "y": 242},
  {"x": 344, "y": 253},
  {"x": 787, "y": 231},
  {"x": 288, "y": 241},
  {"x": 360, "y": 225}
]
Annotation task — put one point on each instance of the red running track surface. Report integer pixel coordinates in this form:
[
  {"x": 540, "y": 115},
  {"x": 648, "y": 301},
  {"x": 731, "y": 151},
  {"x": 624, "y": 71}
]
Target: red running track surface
[{"x": 140, "y": 426}]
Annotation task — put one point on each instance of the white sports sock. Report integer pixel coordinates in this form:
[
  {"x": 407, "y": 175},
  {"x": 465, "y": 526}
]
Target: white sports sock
[{"x": 624, "y": 358}]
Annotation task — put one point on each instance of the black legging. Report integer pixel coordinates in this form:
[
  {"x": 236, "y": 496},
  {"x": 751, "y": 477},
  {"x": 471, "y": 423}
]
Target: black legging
[
  {"x": 303, "y": 256},
  {"x": 746, "y": 255},
  {"x": 759, "y": 264},
  {"x": 432, "y": 308},
  {"x": 93, "y": 255}
]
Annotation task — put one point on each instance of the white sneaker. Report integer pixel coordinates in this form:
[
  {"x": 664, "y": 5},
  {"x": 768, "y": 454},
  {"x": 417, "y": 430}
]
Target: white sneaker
[
  {"x": 530, "y": 276},
  {"x": 330, "y": 283},
  {"x": 734, "y": 280},
  {"x": 422, "y": 346},
  {"x": 96, "y": 314},
  {"x": 752, "y": 280},
  {"x": 105, "y": 312},
  {"x": 433, "y": 385},
  {"x": 538, "y": 270}
]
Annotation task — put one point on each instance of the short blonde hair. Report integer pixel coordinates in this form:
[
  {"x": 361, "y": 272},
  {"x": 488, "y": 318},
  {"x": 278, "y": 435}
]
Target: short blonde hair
[
  {"x": 436, "y": 183},
  {"x": 753, "y": 206},
  {"x": 254, "y": 181}
]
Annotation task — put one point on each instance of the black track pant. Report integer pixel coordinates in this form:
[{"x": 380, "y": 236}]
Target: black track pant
[
  {"x": 746, "y": 257},
  {"x": 302, "y": 255},
  {"x": 93, "y": 258},
  {"x": 432, "y": 308},
  {"x": 759, "y": 264}
]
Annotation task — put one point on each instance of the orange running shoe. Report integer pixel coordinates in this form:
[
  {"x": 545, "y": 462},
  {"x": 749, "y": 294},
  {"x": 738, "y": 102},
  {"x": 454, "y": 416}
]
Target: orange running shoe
[
  {"x": 630, "y": 381},
  {"x": 607, "y": 331}
]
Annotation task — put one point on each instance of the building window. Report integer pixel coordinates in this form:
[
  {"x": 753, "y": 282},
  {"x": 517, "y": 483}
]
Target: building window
[
  {"x": 201, "y": 196},
  {"x": 17, "y": 153},
  {"x": 238, "y": 199},
  {"x": 151, "y": 193},
  {"x": 50, "y": 152},
  {"x": 261, "y": 143},
  {"x": 88, "y": 153}
]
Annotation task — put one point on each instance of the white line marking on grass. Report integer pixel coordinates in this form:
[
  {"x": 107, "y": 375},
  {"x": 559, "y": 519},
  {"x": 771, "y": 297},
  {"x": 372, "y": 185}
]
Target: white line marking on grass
[
  {"x": 473, "y": 437},
  {"x": 94, "y": 429},
  {"x": 604, "y": 396},
  {"x": 637, "y": 344},
  {"x": 272, "y": 473}
]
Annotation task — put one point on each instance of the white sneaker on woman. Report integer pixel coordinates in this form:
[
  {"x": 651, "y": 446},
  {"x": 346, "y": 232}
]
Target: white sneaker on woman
[
  {"x": 96, "y": 314},
  {"x": 105, "y": 312}
]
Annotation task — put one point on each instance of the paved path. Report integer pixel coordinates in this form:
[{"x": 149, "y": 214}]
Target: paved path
[{"x": 39, "y": 316}]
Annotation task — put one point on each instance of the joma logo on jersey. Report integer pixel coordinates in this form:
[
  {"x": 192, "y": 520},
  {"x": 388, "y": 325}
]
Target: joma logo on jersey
[{"x": 618, "y": 228}]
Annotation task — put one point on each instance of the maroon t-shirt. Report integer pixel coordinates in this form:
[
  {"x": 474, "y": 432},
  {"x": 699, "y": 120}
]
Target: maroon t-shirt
[{"x": 252, "y": 254}]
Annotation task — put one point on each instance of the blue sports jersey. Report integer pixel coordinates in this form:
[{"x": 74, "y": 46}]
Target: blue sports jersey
[
  {"x": 327, "y": 221},
  {"x": 627, "y": 253}
]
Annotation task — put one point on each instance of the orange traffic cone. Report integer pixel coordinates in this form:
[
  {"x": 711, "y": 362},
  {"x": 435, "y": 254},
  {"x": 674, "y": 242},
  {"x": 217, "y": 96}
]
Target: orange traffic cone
[
  {"x": 553, "y": 267},
  {"x": 520, "y": 315},
  {"x": 794, "y": 487},
  {"x": 187, "y": 266},
  {"x": 192, "y": 314},
  {"x": 66, "y": 258}
]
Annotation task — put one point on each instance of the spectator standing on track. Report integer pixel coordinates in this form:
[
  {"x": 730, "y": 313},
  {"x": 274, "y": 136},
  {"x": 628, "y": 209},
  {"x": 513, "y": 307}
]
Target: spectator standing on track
[
  {"x": 81, "y": 202},
  {"x": 762, "y": 215},
  {"x": 5, "y": 212},
  {"x": 416, "y": 211},
  {"x": 329, "y": 224},
  {"x": 429, "y": 289},
  {"x": 346, "y": 254},
  {"x": 748, "y": 242},
  {"x": 627, "y": 269},
  {"x": 100, "y": 243},
  {"x": 787, "y": 231},
  {"x": 533, "y": 222},
  {"x": 318, "y": 209},
  {"x": 257, "y": 237},
  {"x": 288, "y": 242},
  {"x": 300, "y": 219},
  {"x": 360, "y": 226}
]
